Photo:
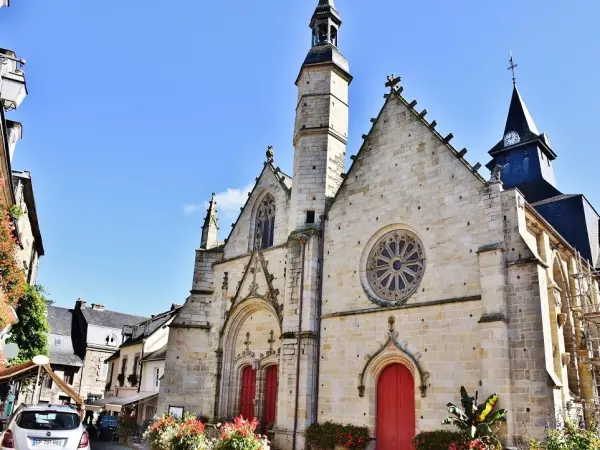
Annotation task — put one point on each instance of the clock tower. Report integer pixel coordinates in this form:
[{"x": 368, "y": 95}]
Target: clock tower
[{"x": 524, "y": 154}]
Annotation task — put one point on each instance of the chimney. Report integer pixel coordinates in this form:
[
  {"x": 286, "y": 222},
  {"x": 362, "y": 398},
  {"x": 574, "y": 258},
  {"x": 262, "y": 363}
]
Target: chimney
[
  {"x": 97, "y": 307},
  {"x": 80, "y": 303}
]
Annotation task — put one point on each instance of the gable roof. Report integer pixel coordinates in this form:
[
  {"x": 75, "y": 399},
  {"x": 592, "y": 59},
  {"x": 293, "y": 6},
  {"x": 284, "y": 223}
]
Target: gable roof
[
  {"x": 396, "y": 93},
  {"x": 284, "y": 180},
  {"x": 142, "y": 330},
  {"x": 59, "y": 320},
  {"x": 110, "y": 319}
]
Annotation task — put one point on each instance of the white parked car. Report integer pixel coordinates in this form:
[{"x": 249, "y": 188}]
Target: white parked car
[{"x": 43, "y": 426}]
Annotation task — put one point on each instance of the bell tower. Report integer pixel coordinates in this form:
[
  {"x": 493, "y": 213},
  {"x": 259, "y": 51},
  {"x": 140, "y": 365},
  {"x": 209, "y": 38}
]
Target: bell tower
[
  {"x": 320, "y": 137},
  {"x": 321, "y": 128},
  {"x": 524, "y": 155}
]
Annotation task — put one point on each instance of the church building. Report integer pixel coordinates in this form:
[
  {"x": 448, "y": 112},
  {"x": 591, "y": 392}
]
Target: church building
[{"x": 369, "y": 295}]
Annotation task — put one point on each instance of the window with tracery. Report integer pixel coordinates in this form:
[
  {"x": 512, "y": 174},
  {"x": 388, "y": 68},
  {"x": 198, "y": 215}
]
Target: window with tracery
[
  {"x": 265, "y": 223},
  {"x": 395, "y": 266}
]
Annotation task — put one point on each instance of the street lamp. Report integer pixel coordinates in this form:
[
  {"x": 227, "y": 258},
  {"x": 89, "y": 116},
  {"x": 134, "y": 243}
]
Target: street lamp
[
  {"x": 12, "y": 84},
  {"x": 39, "y": 360}
]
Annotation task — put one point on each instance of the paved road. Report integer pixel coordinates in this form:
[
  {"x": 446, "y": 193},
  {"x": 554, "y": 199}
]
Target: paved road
[{"x": 103, "y": 445}]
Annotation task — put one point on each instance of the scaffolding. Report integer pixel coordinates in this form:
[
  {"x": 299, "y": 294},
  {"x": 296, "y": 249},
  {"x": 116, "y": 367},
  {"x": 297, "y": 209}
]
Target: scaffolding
[{"x": 585, "y": 304}]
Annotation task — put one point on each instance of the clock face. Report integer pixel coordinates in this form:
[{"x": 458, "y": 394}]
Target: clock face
[{"x": 511, "y": 138}]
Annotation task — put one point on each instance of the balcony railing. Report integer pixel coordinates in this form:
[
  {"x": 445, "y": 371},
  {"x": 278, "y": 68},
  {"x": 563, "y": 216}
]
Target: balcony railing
[{"x": 12, "y": 79}]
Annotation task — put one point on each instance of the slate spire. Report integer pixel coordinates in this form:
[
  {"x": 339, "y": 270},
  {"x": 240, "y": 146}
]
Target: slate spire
[
  {"x": 519, "y": 120},
  {"x": 210, "y": 228}
]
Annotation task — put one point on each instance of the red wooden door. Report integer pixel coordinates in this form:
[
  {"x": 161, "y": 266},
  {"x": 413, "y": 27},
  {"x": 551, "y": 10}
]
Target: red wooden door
[
  {"x": 247, "y": 393},
  {"x": 395, "y": 408},
  {"x": 270, "y": 394}
]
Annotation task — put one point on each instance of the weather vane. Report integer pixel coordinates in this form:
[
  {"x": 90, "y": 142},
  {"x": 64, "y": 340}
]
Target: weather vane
[{"x": 512, "y": 68}]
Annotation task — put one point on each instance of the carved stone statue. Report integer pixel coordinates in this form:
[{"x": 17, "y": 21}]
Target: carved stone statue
[
  {"x": 496, "y": 173},
  {"x": 270, "y": 154}
]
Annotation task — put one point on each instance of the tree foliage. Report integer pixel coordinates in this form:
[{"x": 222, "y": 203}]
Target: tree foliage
[{"x": 31, "y": 332}]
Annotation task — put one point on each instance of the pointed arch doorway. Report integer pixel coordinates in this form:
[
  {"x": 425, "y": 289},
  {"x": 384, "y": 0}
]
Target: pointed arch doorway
[{"x": 395, "y": 408}]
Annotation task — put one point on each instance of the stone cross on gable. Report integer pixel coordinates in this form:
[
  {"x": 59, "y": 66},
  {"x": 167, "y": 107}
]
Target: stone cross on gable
[
  {"x": 247, "y": 342},
  {"x": 392, "y": 82}
]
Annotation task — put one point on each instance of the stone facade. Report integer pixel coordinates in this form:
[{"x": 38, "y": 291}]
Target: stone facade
[
  {"x": 493, "y": 311},
  {"x": 93, "y": 376},
  {"x": 30, "y": 247},
  {"x": 51, "y": 393}
]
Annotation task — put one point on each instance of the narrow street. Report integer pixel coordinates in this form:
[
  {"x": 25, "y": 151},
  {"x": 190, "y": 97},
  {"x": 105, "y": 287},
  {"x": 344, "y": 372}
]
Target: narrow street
[{"x": 106, "y": 445}]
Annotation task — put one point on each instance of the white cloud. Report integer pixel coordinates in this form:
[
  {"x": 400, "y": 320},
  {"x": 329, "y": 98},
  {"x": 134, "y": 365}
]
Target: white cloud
[
  {"x": 191, "y": 208},
  {"x": 229, "y": 203}
]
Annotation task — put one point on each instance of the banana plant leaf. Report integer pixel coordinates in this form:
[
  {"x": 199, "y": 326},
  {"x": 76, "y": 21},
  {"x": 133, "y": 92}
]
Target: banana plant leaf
[
  {"x": 498, "y": 416},
  {"x": 483, "y": 429},
  {"x": 457, "y": 412},
  {"x": 473, "y": 431},
  {"x": 485, "y": 408}
]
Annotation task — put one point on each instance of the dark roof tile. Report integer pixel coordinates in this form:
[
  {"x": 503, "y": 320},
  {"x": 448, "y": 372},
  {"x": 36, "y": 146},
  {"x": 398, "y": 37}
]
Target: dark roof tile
[
  {"x": 60, "y": 320},
  {"x": 110, "y": 319}
]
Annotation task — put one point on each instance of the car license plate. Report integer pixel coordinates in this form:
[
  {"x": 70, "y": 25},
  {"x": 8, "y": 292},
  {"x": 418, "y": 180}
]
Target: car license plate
[{"x": 47, "y": 442}]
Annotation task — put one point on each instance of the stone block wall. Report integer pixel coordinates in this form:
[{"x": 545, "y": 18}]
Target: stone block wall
[
  {"x": 53, "y": 394},
  {"x": 92, "y": 381}
]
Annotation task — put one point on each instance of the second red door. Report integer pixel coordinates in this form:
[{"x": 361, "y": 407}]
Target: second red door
[
  {"x": 248, "y": 392},
  {"x": 270, "y": 395}
]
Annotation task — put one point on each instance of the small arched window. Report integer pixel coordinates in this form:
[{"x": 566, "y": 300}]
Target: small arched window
[{"x": 265, "y": 223}]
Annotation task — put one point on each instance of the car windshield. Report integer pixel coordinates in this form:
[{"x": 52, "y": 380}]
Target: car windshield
[{"x": 47, "y": 420}]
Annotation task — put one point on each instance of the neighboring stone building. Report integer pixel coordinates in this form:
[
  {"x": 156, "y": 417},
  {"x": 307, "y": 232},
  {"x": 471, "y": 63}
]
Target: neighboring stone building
[
  {"x": 369, "y": 296},
  {"x": 13, "y": 91},
  {"x": 27, "y": 228},
  {"x": 97, "y": 333},
  {"x": 133, "y": 378},
  {"x": 63, "y": 359}
]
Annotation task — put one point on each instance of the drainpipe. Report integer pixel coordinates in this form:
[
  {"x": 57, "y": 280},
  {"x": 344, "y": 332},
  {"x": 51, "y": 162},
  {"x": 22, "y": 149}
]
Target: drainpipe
[
  {"x": 318, "y": 324},
  {"x": 141, "y": 365},
  {"x": 303, "y": 244}
]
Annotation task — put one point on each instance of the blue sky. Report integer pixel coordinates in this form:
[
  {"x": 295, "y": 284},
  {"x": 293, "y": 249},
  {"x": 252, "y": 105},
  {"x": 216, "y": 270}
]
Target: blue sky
[{"x": 138, "y": 110}]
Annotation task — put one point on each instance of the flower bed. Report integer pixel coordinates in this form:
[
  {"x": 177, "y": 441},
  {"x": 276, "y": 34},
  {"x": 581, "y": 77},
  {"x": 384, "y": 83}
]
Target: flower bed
[
  {"x": 189, "y": 433},
  {"x": 329, "y": 435}
]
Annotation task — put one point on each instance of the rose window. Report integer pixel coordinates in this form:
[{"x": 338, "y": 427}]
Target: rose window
[{"x": 395, "y": 266}]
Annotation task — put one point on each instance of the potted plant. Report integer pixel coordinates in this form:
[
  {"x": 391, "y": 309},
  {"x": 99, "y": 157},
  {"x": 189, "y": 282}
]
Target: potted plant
[
  {"x": 121, "y": 379},
  {"x": 133, "y": 379},
  {"x": 15, "y": 211},
  {"x": 477, "y": 421}
]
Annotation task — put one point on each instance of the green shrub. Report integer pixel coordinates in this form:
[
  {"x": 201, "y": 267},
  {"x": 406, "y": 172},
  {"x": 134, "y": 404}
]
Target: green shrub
[
  {"x": 437, "y": 440},
  {"x": 568, "y": 437},
  {"x": 327, "y": 435}
]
